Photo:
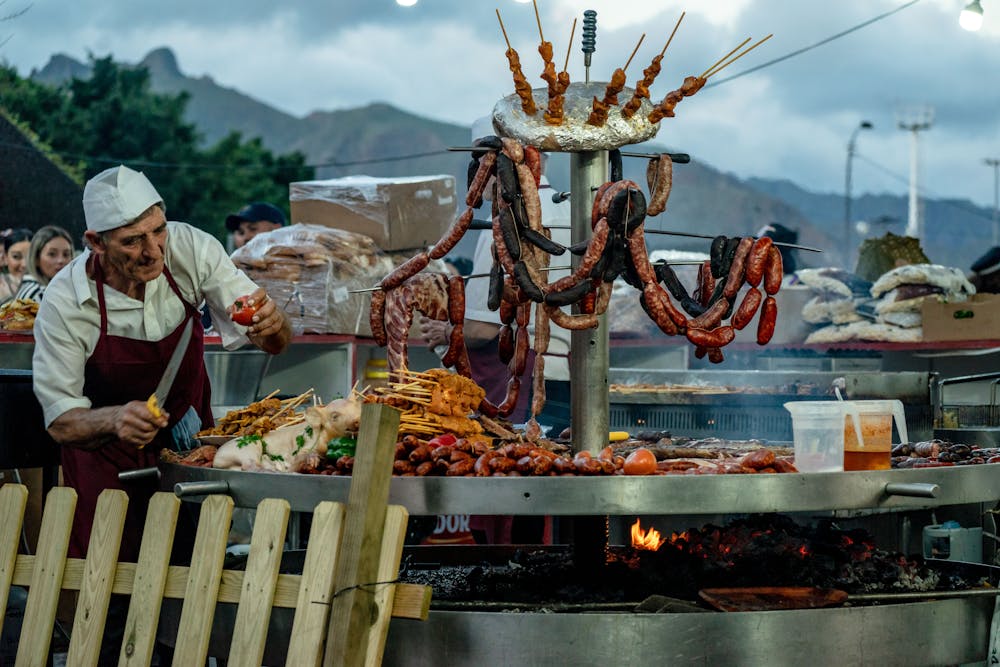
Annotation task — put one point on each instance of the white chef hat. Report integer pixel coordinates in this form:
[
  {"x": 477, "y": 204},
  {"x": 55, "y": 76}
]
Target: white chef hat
[
  {"x": 482, "y": 127},
  {"x": 116, "y": 197}
]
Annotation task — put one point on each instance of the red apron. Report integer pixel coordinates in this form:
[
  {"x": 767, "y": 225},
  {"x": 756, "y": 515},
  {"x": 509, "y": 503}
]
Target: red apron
[{"x": 122, "y": 370}]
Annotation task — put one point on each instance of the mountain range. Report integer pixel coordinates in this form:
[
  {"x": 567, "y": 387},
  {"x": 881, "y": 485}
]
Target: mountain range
[{"x": 381, "y": 140}]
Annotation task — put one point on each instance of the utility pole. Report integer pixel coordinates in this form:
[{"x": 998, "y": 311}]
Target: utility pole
[
  {"x": 863, "y": 125},
  {"x": 995, "y": 163},
  {"x": 914, "y": 122}
]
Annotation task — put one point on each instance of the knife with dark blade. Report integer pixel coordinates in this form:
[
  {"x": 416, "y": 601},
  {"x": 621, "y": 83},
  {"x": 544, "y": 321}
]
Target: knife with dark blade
[{"x": 159, "y": 396}]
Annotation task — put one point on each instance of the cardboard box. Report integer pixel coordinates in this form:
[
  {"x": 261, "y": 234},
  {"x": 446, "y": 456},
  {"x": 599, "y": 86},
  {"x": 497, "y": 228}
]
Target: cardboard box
[
  {"x": 975, "y": 319},
  {"x": 398, "y": 213}
]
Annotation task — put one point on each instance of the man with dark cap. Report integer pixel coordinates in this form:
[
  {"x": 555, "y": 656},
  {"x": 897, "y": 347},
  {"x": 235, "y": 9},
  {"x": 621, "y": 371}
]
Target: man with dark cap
[
  {"x": 253, "y": 219},
  {"x": 986, "y": 271}
]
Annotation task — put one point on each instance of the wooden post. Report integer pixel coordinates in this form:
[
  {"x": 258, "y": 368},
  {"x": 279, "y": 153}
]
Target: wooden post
[{"x": 354, "y": 611}]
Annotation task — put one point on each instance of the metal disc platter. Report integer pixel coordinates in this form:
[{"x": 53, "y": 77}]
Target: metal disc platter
[{"x": 574, "y": 134}]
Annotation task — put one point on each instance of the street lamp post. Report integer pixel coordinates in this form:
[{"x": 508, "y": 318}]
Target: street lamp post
[
  {"x": 995, "y": 163},
  {"x": 863, "y": 125}
]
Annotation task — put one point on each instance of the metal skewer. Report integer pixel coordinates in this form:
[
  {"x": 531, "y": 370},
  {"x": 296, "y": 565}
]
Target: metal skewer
[
  {"x": 674, "y": 262},
  {"x": 676, "y": 158}
]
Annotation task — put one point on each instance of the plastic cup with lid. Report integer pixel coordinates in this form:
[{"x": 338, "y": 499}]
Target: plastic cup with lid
[{"x": 818, "y": 434}]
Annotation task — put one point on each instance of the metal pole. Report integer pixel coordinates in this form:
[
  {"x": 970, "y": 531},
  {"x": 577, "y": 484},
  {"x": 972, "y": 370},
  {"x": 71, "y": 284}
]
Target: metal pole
[
  {"x": 863, "y": 125},
  {"x": 588, "y": 357},
  {"x": 995, "y": 163},
  {"x": 913, "y": 219}
]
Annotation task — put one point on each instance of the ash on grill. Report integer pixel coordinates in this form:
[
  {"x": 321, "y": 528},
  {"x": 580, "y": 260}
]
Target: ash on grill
[{"x": 764, "y": 550}]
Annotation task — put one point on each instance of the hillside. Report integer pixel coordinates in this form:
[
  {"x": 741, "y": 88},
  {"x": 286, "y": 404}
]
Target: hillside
[{"x": 379, "y": 139}]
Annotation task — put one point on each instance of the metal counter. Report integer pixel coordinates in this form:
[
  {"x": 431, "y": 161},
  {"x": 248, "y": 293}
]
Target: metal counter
[{"x": 617, "y": 494}]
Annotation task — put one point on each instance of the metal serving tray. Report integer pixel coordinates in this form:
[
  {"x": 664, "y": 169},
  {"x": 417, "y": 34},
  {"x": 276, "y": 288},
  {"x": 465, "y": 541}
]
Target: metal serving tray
[{"x": 613, "y": 495}]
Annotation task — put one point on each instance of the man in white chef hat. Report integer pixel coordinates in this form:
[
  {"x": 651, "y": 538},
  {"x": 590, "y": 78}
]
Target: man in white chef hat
[{"x": 106, "y": 332}]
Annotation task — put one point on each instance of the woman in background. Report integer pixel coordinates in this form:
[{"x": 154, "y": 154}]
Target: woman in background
[
  {"x": 16, "y": 244},
  {"x": 51, "y": 249}
]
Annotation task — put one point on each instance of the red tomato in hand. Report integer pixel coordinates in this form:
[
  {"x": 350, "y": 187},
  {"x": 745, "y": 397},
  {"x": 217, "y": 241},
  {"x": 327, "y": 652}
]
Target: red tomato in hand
[
  {"x": 640, "y": 462},
  {"x": 243, "y": 312}
]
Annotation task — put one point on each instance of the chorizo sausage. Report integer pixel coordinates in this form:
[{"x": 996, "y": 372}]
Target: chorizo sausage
[
  {"x": 505, "y": 343},
  {"x": 700, "y": 352},
  {"x": 734, "y": 279},
  {"x": 518, "y": 364},
  {"x": 656, "y": 309},
  {"x": 541, "y": 330},
  {"x": 500, "y": 248},
  {"x": 718, "y": 337},
  {"x": 523, "y": 314},
  {"x": 508, "y": 308},
  {"x": 640, "y": 257},
  {"x": 588, "y": 304},
  {"x": 603, "y": 298},
  {"x": 659, "y": 192},
  {"x": 456, "y": 299},
  {"x": 405, "y": 271},
  {"x": 571, "y": 322},
  {"x": 768, "y": 318},
  {"x": 456, "y": 346},
  {"x": 376, "y": 317},
  {"x": 773, "y": 271},
  {"x": 757, "y": 260},
  {"x": 529, "y": 195},
  {"x": 675, "y": 313},
  {"x": 587, "y": 262},
  {"x": 748, "y": 308},
  {"x": 454, "y": 235},
  {"x": 597, "y": 211},
  {"x": 711, "y": 317},
  {"x": 533, "y": 159},
  {"x": 715, "y": 355},
  {"x": 513, "y": 149},
  {"x": 510, "y": 401},
  {"x": 474, "y": 197}
]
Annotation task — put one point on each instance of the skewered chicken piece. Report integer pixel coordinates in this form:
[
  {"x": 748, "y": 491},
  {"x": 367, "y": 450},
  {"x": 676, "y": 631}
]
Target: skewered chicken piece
[
  {"x": 665, "y": 109},
  {"x": 521, "y": 85},
  {"x": 642, "y": 88},
  {"x": 600, "y": 111}
]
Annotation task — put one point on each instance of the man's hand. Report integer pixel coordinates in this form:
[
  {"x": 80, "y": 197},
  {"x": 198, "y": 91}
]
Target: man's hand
[
  {"x": 136, "y": 425},
  {"x": 435, "y": 332},
  {"x": 269, "y": 328}
]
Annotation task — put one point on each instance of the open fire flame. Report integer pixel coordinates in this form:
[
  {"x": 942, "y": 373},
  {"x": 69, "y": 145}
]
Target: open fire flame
[{"x": 648, "y": 540}]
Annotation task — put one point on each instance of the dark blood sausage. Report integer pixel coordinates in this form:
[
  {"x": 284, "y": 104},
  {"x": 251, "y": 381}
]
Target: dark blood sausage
[
  {"x": 757, "y": 260},
  {"x": 580, "y": 247},
  {"x": 659, "y": 189},
  {"x": 618, "y": 259},
  {"x": 601, "y": 266},
  {"x": 768, "y": 318},
  {"x": 505, "y": 343},
  {"x": 748, "y": 308},
  {"x": 508, "y": 229},
  {"x": 715, "y": 355},
  {"x": 533, "y": 158},
  {"x": 569, "y": 295},
  {"x": 507, "y": 179},
  {"x": 456, "y": 344},
  {"x": 489, "y": 142},
  {"x": 711, "y": 317},
  {"x": 734, "y": 279},
  {"x": 717, "y": 254},
  {"x": 657, "y": 310},
  {"x": 496, "y": 286},
  {"x": 500, "y": 248},
  {"x": 773, "y": 271},
  {"x": 518, "y": 364},
  {"x": 474, "y": 197},
  {"x": 406, "y": 270},
  {"x": 615, "y": 165},
  {"x": 718, "y": 337},
  {"x": 456, "y": 299},
  {"x": 542, "y": 241},
  {"x": 525, "y": 282},
  {"x": 665, "y": 274},
  {"x": 453, "y": 236},
  {"x": 692, "y": 307},
  {"x": 376, "y": 317},
  {"x": 627, "y": 208},
  {"x": 571, "y": 322},
  {"x": 510, "y": 401}
]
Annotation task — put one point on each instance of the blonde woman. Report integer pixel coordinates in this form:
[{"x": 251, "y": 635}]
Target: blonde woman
[{"x": 51, "y": 249}]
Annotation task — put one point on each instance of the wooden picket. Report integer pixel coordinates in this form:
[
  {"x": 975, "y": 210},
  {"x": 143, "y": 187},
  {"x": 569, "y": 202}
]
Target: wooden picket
[{"x": 201, "y": 586}]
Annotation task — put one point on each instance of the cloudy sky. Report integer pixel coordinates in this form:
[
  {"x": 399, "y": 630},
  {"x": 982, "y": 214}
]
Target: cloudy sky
[{"x": 444, "y": 59}]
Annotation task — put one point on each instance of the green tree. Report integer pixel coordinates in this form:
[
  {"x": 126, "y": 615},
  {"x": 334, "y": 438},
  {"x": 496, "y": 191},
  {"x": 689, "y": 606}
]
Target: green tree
[{"x": 113, "y": 117}]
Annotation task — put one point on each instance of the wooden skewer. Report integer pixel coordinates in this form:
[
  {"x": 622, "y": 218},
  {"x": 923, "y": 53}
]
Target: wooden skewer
[
  {"x": 504, "y": 30},
  {"x": 540, "y": 35},
  {"x": 633, "y": 52},
  {"x": 720, "y": 60},
  {"x": 569, "y": 47},
  {"x": 271, "y": 395},
  {"x": 730, "y": 62},
  {"x": 672, "y": 34}
]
